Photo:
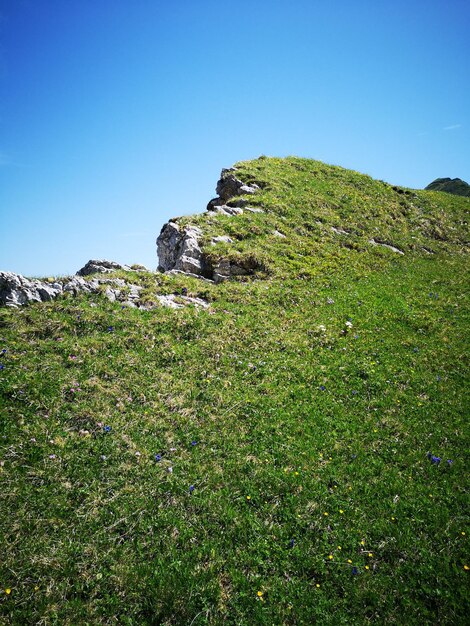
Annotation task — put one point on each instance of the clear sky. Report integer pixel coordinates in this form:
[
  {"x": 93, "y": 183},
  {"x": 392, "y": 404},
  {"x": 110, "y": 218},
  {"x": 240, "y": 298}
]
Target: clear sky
[{"x": 118, "y": 114}]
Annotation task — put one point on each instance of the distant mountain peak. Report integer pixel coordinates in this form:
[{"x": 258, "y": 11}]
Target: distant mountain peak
[{"x": 450, "y": 185}]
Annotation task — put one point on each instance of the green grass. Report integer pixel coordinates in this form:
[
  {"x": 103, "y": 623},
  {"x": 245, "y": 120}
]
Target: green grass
[{"x": 311, "y": 435}]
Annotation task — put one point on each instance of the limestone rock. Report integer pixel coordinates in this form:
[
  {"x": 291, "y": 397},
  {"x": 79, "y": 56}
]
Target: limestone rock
[
  {"x": 230, "y": 186},
  {"x": 100, "y": 267},
  {"x": 175, "y": 301},
  {"x": 375, "y": 242},
  {"x": 16, "y": 290},
  {"x": 178, "y": 249},
  {"x": 228, "y": 268},
  {"x": 225, "y": 209},
  {"x": 221, "y": 239}
]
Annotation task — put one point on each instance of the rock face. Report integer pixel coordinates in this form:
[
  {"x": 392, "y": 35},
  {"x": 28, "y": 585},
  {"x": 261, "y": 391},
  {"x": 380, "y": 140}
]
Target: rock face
[
  {"x": 179, "y": 248},
  {"x": 228, "y": 187}
]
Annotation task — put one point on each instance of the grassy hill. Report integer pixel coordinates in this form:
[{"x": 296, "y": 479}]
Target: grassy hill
[{"x": 273, "y": 459}]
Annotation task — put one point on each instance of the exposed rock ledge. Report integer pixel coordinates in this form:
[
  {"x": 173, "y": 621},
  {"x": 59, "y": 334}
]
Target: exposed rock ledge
[
  {"x": 179, "y": 251},
  {"x": 16, "y": 290},
  {"x": 179, "y": 248}
]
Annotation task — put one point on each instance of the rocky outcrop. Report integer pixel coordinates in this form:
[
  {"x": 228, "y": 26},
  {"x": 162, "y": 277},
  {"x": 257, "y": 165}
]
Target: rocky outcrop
[
  {"x": 101, "y": 267},
  {"x": 16, "y": 290},
  {"x": 229, "y": 187},
  {"x": 179, "y": 247},
  {"x": 228, "y": 268}
]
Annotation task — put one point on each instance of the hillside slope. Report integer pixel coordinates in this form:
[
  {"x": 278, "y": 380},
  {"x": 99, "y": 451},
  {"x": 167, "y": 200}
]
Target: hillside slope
[{"x": 292, "y": 454}]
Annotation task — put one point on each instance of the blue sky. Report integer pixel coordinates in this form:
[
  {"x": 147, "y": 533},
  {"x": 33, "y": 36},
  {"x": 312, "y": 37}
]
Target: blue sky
[{"x": 118, "y": 114}]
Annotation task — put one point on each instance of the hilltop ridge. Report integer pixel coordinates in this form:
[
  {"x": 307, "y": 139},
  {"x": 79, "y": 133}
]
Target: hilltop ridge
[
  {"x": 288, "y": 217},
  {"x": 276, "y": 216},
  {"x": 450, "y": 185}
]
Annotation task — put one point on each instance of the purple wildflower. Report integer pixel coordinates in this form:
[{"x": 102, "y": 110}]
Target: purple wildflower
[
  {"x": 291, "y": 543},
  {"x": 158, "y": 458},
  {"x": 322, "y": 387},
  {"x": 2, "y": 367},
  {"x": 191, "y": 488},
  {"x": 194, "y": 443},
  {"x": 435, "y": 460},
  {"x": 354, "y": 571},
  {"x": 449, "y": 461},
  {"x": 107, "y": 429}
]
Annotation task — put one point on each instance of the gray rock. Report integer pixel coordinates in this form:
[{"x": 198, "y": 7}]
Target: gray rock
[
  {"x": 178, "y": 249},
  {"x": 253, "y": 209},
  {"x": 175, "y": 301},
  {"x": 230, "y": 186},
  {"x": 203, "y": 278},
  {"x": 229, "y": 268},
  {"x": 112, "y": 294},
  {"x": 16, "y": 290},
  {"x": 225, "y": 209},
  {"x": 101, "y": 267},
  {"x": 276, "y": 233},
  {"x": 374, "y": 242},
  {"x": 221, "y": 239},
  {"x": 77, "y": 284}
]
